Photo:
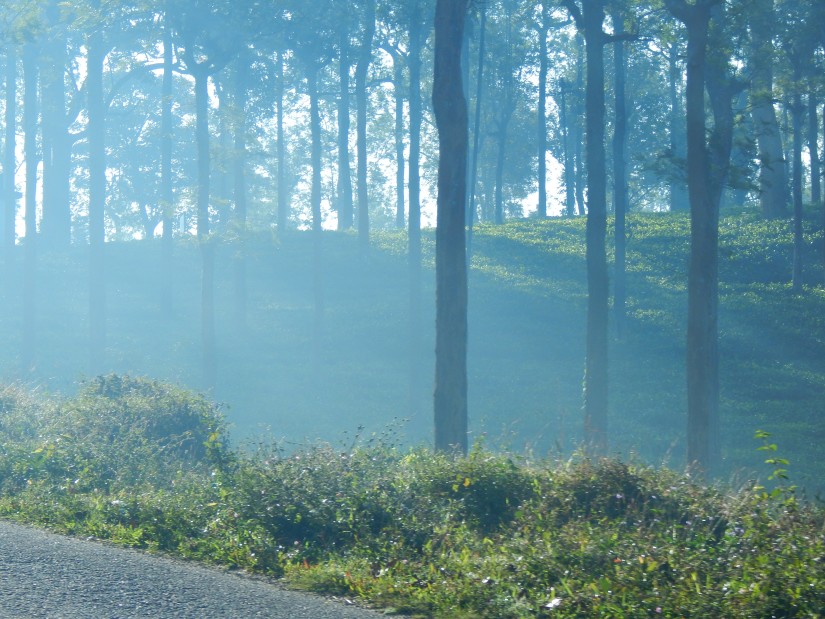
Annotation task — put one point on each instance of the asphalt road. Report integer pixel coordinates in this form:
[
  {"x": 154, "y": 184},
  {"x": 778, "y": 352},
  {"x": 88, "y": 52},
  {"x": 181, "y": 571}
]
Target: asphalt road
[{"x": 47, "y": 576}]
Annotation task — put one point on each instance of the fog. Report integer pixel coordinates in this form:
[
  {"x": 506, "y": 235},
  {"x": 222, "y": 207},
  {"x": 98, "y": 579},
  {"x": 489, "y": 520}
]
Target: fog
[{"x": 240, "y": 197}]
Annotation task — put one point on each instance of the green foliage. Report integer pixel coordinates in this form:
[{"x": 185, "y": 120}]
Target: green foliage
[{"x": 426, "y": 534}]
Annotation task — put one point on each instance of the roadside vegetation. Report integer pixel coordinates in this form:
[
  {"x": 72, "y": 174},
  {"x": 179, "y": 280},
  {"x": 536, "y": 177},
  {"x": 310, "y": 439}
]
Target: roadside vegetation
[{"x": 147, "y": 465}]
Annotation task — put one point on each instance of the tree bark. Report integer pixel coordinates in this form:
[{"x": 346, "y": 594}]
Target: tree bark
[
  {"x": 362, "y": 103},
  {"x": 56, "y": 219},
  {"x": 315, "y": 204},
  {"x": 10, "y": 159},
  {"x": 619, "y": 173},
  {"x": 30, "y": 114},
  {"x": 678, "y": 190},
  {"x": 471, "y": 203},
  {"x": 773, "y": 196},
  {"x": 417, "y": 38},
  {"x": 239, "y": 189},
  {"x": 704, "y": 191},
  {"x": 797, "y": 112},
  {"x": 813, "y": 147},
  {"x": 400, "y": 174},
  {"x": 450, "y": 107},
  {"x": 209, "y": 363},
  {"x": 283, "y": 203},
  {"x": 595, "y": 376},
  {"x": 345, "y": 213},
  {"x": 97, "y": 202},
  {"x": 542, "y": 110},
  {"x": 166, "y": 192}
]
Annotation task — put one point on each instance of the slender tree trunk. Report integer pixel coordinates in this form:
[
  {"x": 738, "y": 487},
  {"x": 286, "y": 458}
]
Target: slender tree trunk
[
  {"x": 362, "y": 102},
  {"x": 97, "y": 203},
  {"x": 450, "y": 106},
  {"x": 500, "y": 157},
  {"x": 797, "y": 111},
  {"x": 30, "y": 113},
  {"x": 702, "y": 331},
  {"x": 772, "y": 179},
  {"x": 569, "y": 164},
  {"x": 578, "y": 137},
  {"x": 283, "y": 203},
  {"x": 813, "y": 147},
  {"x": 56, "y": 219},
  {"x": 400, "y": 175},
  {"x": 209, "y": 363},
  {"x": 479, "y": 100},
  {"x": 619, "y": 174},
  {"x": 417, "y": 37},
  {"x": 595, "y": 376},
  {"x": 166, "y": 192},
  {"x": 345, "y": 214},
  {"x": 702, "y": 345},
  {"x": 315, "y": 202},
  {"x": 678, "y": 188},
  {"x": 239, "y": 189},
  {"x": 542, "y": 111},
  {"x": 10, "y": 159}
]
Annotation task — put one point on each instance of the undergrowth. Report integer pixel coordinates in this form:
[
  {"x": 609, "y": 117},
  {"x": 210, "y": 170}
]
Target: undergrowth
[{"x": 147, "y": 465}]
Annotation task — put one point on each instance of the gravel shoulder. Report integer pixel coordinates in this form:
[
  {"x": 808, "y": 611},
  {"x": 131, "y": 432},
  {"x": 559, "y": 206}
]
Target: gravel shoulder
[{"x": 47, "y": 576}]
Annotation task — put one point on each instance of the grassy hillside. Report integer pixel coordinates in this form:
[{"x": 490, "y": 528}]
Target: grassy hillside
[{"x": 527, "y": 309}]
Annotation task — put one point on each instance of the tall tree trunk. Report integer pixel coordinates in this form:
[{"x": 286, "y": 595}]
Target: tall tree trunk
[
  {"x": 345, "y": 214},
  {"x": 578, "y": 137},
  {"x": 417, "y": 38},
  {"x": 400, "y": 175},
  {"x": 30, "y": 114},
  {"x": 569, "y": 163},
  {"x": 595, "y": 376},
  {"x": 479, "y": 99},
  {"x": 315, "y": 203},
  {"x": 541, "y": 129},
  {"x": 773, "y": 196},
  {"x": 166, "y": 192},
  {"x": 97, "y": 202},
  {"x": 702, "y": 344},
  {"x": 706, "y": 179},
  {"x": 283, "y": 203},
  {"x": 797, "y": 112},
  {"x": 56, "y": 219},
  {"x": 206, "y": 245},
  {"x": 619, "y": 173},
  {"x": 678, "y": 189},
  {"x": 239, "y": 189},
  {"x": 813, "y": 147},
  {"x": 10, "y": 159},
  {"x": 450, "y": 107},
  {"x": 362, "y": 102}
]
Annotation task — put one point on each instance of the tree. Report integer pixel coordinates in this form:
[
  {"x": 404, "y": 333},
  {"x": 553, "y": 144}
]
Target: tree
[
  {"x": 707, "y": 166},
  {"x": 56, "y": 218},
  {"x": 362, "y": 102},
  {"x": 30, "y": 113},
  {"x": 450, "y": 107},
  {"x": 9, "y": 188},
  {"x": 589, "y": 20},
  {"x": 208, "y": 44},
  {"x": 773, "y": 196}
]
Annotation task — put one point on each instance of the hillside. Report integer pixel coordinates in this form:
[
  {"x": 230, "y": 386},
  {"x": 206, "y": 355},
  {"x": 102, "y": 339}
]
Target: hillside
[{"x": 527, "y": 309}]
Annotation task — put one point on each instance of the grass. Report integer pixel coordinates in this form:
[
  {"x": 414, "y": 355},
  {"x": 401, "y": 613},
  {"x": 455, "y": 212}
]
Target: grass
[
  {"x": 527, "y": 320},
  {"x": 147, "y": 465}
]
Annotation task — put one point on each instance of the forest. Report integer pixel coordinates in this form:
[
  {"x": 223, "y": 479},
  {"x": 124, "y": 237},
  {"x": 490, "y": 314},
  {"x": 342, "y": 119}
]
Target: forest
[{"x": 243, "y": 197}]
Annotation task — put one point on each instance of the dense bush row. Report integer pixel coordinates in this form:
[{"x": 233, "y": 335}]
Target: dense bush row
[{"x": 145, "y": 464}]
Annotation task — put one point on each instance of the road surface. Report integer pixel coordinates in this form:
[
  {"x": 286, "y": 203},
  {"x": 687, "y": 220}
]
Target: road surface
[{"x": 47, "y": 576}]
